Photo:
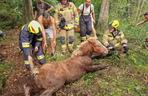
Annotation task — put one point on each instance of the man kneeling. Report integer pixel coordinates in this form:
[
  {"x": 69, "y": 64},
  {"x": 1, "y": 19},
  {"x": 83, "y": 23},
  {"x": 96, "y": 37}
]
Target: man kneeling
[{"x": 114, "y": 39}]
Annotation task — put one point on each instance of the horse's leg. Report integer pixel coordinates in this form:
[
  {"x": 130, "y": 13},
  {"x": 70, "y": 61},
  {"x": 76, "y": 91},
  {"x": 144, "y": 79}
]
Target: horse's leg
[
  {"x": 51, "y": 90},
  {"x": 95, "y": 67},
  {"x": 27, "y": 90},
  {"x": 48, "y": 92}
]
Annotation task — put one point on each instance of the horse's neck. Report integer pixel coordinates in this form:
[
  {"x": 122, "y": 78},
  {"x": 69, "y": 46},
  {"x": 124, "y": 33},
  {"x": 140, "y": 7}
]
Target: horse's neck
[
  {"x": 83, "y": 51},
  {"x": 86, "y": 50},
  {"x": 77, "y": 52}
]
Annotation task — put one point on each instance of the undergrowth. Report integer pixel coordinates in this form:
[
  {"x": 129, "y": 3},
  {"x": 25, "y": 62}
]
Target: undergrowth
[{"x": 4, "y": 69}]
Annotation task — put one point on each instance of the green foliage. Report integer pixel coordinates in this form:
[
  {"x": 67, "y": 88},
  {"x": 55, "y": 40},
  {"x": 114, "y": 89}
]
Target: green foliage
[
  {"x": 10, "y": 14},
  {"x": 120, "y": 87},
  {"x": 52, "y": 2},
  {"x": 125, "y": 75},
  {"x": 4, "y": 67},
  {"x": 88, "y": 78}
]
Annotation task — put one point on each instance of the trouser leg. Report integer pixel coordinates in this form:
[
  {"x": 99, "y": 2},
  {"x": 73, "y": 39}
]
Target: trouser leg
[
  {"x": 89, "y": 26},
  {"x": 71, "y": 39},
  {"x": 83, "y": 29},
  {"x": 27, "y": 58},
  {"x": 26, "y": 48},
  {"x": 40, "y": 56},
  {"x": 63, "y": 40}
]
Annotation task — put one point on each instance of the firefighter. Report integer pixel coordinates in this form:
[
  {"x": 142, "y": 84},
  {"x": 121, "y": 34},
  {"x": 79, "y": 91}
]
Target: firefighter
[
  {"x": 87, "y": 17},
  {"x": 48, "y": 23},
  {"x": 114, "y": 39},
  {"x": 66, "y": 18},
  {"x": 30, "y": 39}
]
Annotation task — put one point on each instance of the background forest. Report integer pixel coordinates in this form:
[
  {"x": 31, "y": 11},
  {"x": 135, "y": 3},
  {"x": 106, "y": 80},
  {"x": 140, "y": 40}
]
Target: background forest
[{"x": 126, "y": 76}]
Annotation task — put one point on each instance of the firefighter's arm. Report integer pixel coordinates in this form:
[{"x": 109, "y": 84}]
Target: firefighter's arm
[
  {"x": 24, "y": 38},
  {"x": 76, "y": 15},
  {"x": 123, "y": 39},
  {"x": 106, "y": 43},
  {"x": 40, "y": 19},
  {"x": 38, "y": 42},
  {"x": 105, "y": 39},
  {"x": 124, "y": 43}
]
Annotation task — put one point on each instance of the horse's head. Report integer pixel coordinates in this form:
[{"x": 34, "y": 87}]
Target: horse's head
[
  {"x": 98, "y": 48},
  {"x": 91, "y": 47}
]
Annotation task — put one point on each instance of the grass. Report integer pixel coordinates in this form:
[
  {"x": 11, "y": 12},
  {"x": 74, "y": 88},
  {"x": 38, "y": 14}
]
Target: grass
[{"x": 126, "y": 76}]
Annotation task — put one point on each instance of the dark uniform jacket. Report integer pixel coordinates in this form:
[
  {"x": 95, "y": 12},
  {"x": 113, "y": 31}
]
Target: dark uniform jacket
[{"x": 26, "y": 39}]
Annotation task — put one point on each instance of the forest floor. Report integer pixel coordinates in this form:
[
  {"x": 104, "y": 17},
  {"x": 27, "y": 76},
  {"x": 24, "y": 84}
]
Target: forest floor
[{"x": 126, "y": 75}]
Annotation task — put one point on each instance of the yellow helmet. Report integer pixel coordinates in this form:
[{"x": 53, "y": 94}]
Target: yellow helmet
[
  {"x": 34, "y": 27},
  {"x": 115, "y": 24}
]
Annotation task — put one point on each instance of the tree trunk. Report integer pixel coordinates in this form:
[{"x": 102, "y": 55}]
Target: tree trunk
[
  {"x": 139, "y": 9},
  {"x": 103, "y": 17},
  {"x": 28, "y": 11}
]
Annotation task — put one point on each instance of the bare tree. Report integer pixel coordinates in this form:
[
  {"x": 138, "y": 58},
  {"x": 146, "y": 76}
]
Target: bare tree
[
  {"x": 28, "y": 11},
  {"x": 103, "y": 17}
]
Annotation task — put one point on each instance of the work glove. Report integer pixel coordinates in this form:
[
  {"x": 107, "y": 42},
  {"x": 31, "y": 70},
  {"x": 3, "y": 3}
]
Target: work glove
[
  {"x": 36, "y": 49},
  {"x": 28, "y": 67},
  {"x": 110, "y": 48},
  {"x": 125, "y": 49}
]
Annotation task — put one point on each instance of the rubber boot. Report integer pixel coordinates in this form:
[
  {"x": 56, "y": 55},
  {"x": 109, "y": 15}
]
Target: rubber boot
[
  {"x": 83, "y": 39},
  {"x": 63, "y": 48},
  {"x": 70, "y": 47},
  {"x": 27, "y": 65}
]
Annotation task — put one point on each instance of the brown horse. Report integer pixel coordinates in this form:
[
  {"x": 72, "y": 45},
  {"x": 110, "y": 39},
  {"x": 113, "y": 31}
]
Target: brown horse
[
  {"x": 91, "y": 47},
  {"x": 52, "y": 76}
]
